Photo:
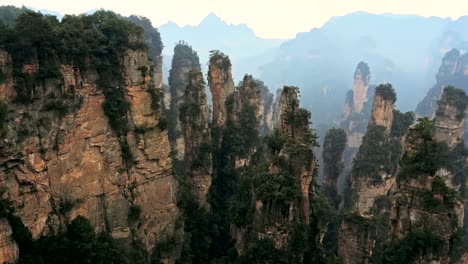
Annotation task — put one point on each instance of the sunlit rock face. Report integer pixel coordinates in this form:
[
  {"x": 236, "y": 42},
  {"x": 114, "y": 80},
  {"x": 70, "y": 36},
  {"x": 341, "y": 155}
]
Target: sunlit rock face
[{"x": 56, "y": 167}]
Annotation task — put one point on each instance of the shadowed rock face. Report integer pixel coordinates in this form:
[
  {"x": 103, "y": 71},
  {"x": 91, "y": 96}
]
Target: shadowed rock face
[
  {"x": 449, "y": 117},
  {"x": 295, "y": 125},
  {"x": 367, "y": 184},
  {"x": 194, "y": 117},
  {"x": 184, "y": 60},
  {"x": 356, "y": 116},
  {"x": 421, "y": 202},
  {"x": 333, "y": 148},
  {"x": 58, "y": 167},
  {"x": 452, "y": 72}
]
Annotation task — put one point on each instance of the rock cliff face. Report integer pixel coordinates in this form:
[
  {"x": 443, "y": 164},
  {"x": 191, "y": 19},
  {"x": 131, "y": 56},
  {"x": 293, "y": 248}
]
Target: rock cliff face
[
  {"x": 221, "y": 86},
  {"x": 58, "y": 164},
  {"x": 356, "y": 116},
  {"x": 272, "y": 218},
  {"x": 360, "y": 86},
  {"x": 244, "y": 101},
  {"x": 371, "y": 180},
  {"x": 358, "y": 106},
  {"x": 425, "y": 205},
  {"x": 382, "y": 107},
  {"x": 453, "y": 71},
  {"x": 416, "y": 208},
  {"x": 449, "y": 120},
  {"x": 8, "y": 248},
  {"x": 184, "y": 60},
  {"x": 194, "y": 117}
]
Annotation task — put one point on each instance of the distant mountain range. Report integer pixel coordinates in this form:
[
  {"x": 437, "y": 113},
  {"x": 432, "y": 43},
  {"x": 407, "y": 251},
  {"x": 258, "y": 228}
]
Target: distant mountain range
[
  {"x": 237, "y": 41},
  {"x": 404, "y": 50}
]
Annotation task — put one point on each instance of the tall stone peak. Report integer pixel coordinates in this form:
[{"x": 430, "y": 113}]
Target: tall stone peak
[
  {"x": 276, "y": 214},
  {"x": 360, "y": 86},
  {"x": 449, "y": 117},
  {"x": 383, "y": 106},
  {"x": 184, "y": 60},
  {"x": 449, "y": 66},
  {"x": 288, "y": 106},
  {"x": 194, "y": 117},
  {"x": 221, "y": 85}
]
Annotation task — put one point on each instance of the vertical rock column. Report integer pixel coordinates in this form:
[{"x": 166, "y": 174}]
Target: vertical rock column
[
  {"x": 221, "y": 87},
  {"x": 184, "y": 60},
  {"x": 371, "y": 179},
  {"x": 295, "y": 124},
  {"x": 360, "y": 86},
  {"x": 449, "y": 119},
  {"x": 194, "y": 117}
]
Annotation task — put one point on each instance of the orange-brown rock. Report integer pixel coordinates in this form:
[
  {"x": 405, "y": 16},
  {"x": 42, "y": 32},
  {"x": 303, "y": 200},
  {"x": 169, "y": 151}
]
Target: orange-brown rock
[
  {"x": 8, "y": 248},
  {"x": 221, "y": 86},
  {"x": 382, "y": 107},
  {"x": 72, "y": 165},
  {"x": 360, "y": 86}
]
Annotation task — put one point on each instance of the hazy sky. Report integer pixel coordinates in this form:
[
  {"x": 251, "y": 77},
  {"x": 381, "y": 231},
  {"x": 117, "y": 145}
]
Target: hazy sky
[{"x": 268, "y": 18}]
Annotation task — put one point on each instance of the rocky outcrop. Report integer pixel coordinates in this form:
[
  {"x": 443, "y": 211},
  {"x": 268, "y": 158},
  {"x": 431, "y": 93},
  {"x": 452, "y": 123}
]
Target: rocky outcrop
[
  {"x": 371, "y": 180},
  {"x": 277, "y": 203},
  {"x": 425, "y": 204},
  {"x": 194, "y": 117},
  {"x": 245, "y": 108},
  {"x": 356, "y": 116},
  {"x": 267, "y": 122},
  {"x": 58, "y": 165},
  {"x": 449, "y": 117},
  {"x": 8, "y": 248},
  {"x": 382, "y": 107},
  {"x": 360, "y": 86},
  {"x": 452, "y": 72},
  {"x": 221, "y": 86},
  {"x": 153, "y": 40},
  {"x": 418, "y": 202},
  {"x": 357, "y": 106},
  {"x": 184, "y": 60},
  {"x": 276, "y": 217}
]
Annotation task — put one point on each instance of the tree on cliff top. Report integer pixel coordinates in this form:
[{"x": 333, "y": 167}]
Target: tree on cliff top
[
  {"x": 151, "y": 34},
  {"x": 386, "y": 91}
]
